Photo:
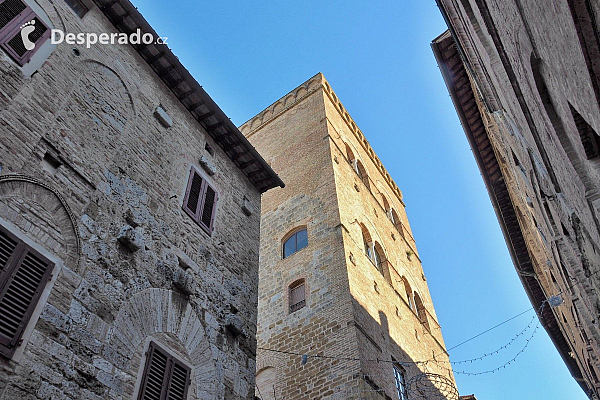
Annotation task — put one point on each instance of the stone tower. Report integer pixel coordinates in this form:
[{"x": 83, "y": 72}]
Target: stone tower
[{"x": 340, "y": 275}]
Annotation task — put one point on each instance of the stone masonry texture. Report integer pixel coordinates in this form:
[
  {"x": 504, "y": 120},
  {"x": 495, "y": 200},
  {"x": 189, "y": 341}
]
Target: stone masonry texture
[
  {"x": 91, "y": 178},
  {"x": 354, "y": 312},
  {"x": 524, "y": 77}
]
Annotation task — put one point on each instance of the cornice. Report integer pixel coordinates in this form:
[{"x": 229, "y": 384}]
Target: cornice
[{"x": 294, "y": 97}]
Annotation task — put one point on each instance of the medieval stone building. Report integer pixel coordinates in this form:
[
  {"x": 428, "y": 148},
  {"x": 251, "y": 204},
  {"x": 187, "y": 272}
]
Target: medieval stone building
[
  {"x": 129, "y": 217},
  {"x": 524, "y": 76},
  {"x": 341, "y": 280}
]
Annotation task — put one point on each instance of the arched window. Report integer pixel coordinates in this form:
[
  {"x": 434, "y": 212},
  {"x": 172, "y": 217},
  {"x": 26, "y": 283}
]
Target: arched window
[
  {"x": 367, "y": 242},
  {"x": 379, "y": 257},
  {"x": 409, "y": 294},
  {"x": 297, "y": 295},
  {"x": 386, "y": 204},
  {"x": 393, "y": 215},
  {"x": 350, "y": 155},
  {"x": 420, "y": 309},
  {"x": 362, "y": 174},
  {"x": 297, "y": 241},
  {"x": 382, "y": 263}
]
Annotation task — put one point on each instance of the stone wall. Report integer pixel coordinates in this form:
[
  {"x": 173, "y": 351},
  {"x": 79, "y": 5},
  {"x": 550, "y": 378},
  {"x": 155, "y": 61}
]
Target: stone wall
[
  {"x": 527, "y": 64},
  {"x": 91, "y": 179}
]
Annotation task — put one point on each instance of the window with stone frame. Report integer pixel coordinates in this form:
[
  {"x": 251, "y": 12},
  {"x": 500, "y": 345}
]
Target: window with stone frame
[
  {"x": 78, "y": 7},
  {"x": 400, "y": 380},
  {"x": 200, "y": 201},
  {"x": 165, "y": 377},
  {"x": 24, "y": 274},
  {"x": 295, "y": 242},
  {"x": 22, "y": 31},
  {"x": 297, "y": 295}
]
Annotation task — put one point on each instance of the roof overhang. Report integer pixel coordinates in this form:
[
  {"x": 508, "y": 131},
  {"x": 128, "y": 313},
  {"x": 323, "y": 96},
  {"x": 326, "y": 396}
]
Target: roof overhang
[
  {"x": 454, "y": 71},
  {"x": 126, "y": 18}
]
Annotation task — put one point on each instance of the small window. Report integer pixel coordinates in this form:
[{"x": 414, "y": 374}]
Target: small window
[
  {"x": 367, "y": 243},
  {"x": 589, "y": 138},
  {"x": 200, "y": 201},
  {"x": 294, "y": 243},
  {"x": 78, "y": 6},
  {"x": 409, "y": 294},
  {"x": 420, "y": 309},
  {"x": 22, "y": 32},
  {"x": 379, "y": 256},
  {"x": 164, "y": 377},
  {"x": 297, "y": 295},
  {"x": 400, "y": 379},
  {"x": 362, "y": 174},
  {"x": 23, "y": 275}
]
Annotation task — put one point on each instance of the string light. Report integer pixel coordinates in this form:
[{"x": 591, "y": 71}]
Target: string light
[{"x": 553, "y": 301}]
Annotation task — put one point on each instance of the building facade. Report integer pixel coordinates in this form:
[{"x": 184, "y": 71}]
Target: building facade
[
  {"x": 344, "y": 307},
  {"x": 524, "y": 78},
  {"x": 129, "y": 217}
]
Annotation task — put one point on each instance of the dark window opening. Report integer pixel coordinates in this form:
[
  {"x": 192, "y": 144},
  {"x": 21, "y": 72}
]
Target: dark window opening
[
  {"x": 209, "y": 149},
  {"x": 23, "y": 275},
  {"x": 200, "y": 201},
  {"x": 297, "y": 295},
  {"x": 294, "y": 243},
  {"x": 589, "y": 138},
  {"x": 78, "y": 6},
  {"x": 165, "y": 377}
]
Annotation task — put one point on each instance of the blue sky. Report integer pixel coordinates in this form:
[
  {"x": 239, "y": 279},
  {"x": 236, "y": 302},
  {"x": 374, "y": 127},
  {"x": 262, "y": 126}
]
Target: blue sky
[{"x": 377, "y": 58}]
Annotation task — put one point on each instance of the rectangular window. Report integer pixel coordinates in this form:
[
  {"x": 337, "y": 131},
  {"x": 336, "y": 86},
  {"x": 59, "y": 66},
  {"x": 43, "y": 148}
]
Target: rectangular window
[
  {"x": 297, "y": 296},
  {"x": 200, "y": 201},
  {"x": 164, "y": 377},
  {"x": 22, "y": 32},
  {"x": 78, "y": 6},
  {"x": 23, "y": 275},
  {"x": 400, "y": 382}
]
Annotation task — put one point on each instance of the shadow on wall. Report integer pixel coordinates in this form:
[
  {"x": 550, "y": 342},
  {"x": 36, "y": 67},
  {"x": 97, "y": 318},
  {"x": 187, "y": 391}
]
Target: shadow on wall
[{"x": 376, "y": 367}]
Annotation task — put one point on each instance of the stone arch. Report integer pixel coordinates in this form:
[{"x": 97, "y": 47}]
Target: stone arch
[
  {"x": 96, "y": 74},
  {"x": 50, "y": 209},
  {"x": 266, "y": 379},
  {"x": 155, "y": 311}
]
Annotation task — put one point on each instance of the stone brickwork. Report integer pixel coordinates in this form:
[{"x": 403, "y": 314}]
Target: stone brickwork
[
  {"x": 93, "y": 180},
  {"x": 355, "y": 314},
  {"x": 525, "y": 81}
]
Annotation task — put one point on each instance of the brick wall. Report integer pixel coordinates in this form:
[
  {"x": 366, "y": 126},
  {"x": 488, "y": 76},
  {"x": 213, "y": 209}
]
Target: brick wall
[{"x": 304, "y": 135}]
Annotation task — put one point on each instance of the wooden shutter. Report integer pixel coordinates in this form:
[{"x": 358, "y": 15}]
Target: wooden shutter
[
  {"x": 209, "y": 208},
  {"x": 179, "y": 385},
  {"x": 297, "y": 297},
  {"x": 9, "y": 10},
  {"x": 191, "y": 202},
  {"x": 200, "y": 201},
  {"x": 22, "y": 281},
  {"x": 165, "y": 378},
  {"x": 13, "y": 14}
]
